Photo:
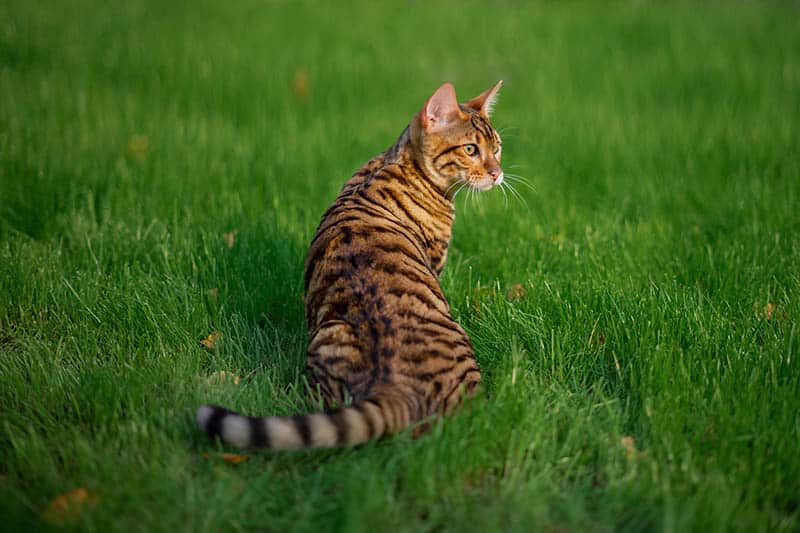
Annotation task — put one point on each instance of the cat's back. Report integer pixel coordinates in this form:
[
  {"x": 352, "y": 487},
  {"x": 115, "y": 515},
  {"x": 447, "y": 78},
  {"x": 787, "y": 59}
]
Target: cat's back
[{"x": 364, "y": 251}]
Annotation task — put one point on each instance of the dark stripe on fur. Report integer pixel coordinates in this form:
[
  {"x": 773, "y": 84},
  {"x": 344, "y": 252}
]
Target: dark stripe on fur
[
  {"x": 337, "y": 419},
  {"x": 445, "y": 151},
  {"x": 214, "y": 423},
  {"x": 371, "y": 430},
  {"x": 301, "y": 423},
  {"x": 258, "y": 432}
]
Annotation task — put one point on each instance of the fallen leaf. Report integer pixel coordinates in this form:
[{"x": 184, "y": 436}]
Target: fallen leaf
[
  {"x": 230, "y": 458},
  {"x": 222, "y": 376},
  {"x": 138, "y": 145},
  {"x": 213, "y": 293},
  {"x": 234, "y": 459},
  {"x": 67, "y": 507},
  {"x": 300, "y": 84},
  {"x": 769, "y": 311},
  {"x": 629, "y": 443},
  {"x": 210, "y": 342},
  {"x": 516, "y": 292},
  {"x": 230, "y": 237}
]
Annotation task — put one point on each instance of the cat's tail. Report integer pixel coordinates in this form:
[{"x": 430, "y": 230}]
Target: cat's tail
[{"x": 344, "y": 426}]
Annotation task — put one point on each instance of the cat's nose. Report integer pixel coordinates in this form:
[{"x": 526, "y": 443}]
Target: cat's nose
[{"x": 497, "y": 175}]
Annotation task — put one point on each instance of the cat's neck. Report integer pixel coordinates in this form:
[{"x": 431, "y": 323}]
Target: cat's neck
[
  {"x": 406, "y": 154},
  {"x": 430, "y": 210}
]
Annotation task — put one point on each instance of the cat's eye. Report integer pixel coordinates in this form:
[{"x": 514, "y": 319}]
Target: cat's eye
[{"x": 470, "y": 149}]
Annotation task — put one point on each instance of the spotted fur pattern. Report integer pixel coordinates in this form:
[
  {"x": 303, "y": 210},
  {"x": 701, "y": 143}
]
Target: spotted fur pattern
[{"x": 384, "y": 350}]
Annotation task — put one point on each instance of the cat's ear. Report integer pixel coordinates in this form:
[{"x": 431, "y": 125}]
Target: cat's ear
[
  {"x": 441, "y": 109},
  {"x": 484, "y": 102}
]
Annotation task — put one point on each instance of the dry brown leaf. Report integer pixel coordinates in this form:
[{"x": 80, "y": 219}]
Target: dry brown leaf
[
  {"x": 138, "y": 145},
  {"x": 220, "y": 376},
  {"x": 769, "y": 312},
  {"x": 67, "y": 507},
  {"x": 230, "y": 237},
  {"x": 210, "y": 342},
  {"x": 230, "y": 458},
  {"x": 629, "y": 443},
  {"x": 234, "y": 458},
  {"x": 300, "y": 86},
  {"x": 516, "y": 292}
]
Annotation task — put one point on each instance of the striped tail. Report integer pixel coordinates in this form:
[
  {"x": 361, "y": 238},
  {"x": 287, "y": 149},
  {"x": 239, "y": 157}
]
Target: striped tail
[{"x": 344, "y": 426}]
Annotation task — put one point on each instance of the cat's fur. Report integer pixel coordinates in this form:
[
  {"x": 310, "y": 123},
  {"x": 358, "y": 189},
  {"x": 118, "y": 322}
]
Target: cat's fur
[{"x": 381, "y": 333}]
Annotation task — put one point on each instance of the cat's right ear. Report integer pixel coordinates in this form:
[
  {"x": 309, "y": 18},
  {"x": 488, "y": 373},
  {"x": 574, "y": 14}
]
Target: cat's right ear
[{"x": 441, "y": 109}]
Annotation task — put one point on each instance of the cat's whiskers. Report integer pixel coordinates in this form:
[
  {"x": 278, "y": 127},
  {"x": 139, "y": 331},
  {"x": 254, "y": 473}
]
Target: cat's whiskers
[
  {"x": 514, "y": 192},
  {"x": 460, "y": 188},
  {"x": 453, "y": 186},
  {"x": 474, "y": 193},
  {"x": 505, "y": 195},
  {"x": 520, "y": 180}
]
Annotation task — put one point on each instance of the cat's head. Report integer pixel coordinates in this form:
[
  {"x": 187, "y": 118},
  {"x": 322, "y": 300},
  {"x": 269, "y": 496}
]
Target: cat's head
[{"x": 455, "y": 143}]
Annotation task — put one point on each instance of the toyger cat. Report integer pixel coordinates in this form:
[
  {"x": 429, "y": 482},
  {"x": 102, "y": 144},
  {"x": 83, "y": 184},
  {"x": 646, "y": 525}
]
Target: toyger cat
[{"x": 384, "y": 351}]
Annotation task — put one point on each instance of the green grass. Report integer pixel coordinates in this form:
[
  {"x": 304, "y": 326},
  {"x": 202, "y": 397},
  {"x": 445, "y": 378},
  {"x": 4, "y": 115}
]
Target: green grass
[{"x": 658, "y": 258}]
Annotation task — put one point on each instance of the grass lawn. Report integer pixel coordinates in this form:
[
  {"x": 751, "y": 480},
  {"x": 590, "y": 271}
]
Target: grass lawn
[{"x": 163, "y": 167}]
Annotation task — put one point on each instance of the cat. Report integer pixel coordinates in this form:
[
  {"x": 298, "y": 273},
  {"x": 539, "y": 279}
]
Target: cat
[{"x": 384, "y": 350}]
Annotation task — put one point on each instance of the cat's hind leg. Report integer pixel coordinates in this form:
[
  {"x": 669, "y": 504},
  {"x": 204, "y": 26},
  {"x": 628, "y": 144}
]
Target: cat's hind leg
[{"x": 336, "y": 363}]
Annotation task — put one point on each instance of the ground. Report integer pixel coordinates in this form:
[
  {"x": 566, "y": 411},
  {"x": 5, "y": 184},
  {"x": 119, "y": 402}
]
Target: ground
[{"x": 635, "y": 311}]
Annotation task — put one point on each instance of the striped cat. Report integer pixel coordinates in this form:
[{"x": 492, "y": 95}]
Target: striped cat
[{"x": 381, "y": 335}]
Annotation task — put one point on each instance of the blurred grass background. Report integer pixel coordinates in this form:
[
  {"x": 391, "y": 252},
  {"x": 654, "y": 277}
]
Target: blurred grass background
[{"x": 163, "y": 166}]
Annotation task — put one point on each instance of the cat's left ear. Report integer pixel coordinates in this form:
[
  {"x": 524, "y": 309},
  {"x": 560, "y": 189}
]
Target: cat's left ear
[{"x": 484, "y": 102}]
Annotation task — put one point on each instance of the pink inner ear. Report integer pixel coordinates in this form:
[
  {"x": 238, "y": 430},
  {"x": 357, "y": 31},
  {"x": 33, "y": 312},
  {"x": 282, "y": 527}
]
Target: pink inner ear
[{"x": 441, "y": 108}]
